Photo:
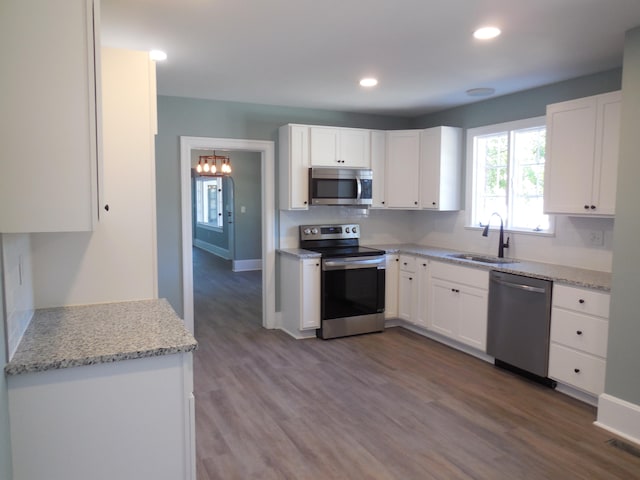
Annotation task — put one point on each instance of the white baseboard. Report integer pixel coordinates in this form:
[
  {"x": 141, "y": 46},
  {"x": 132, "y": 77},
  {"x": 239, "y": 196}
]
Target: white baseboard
[
  {"x": 299, "y": 334},
  {"x": 577, "y": 394},
  {"x": 619, "y": 417},
  {"x": 247, "y": 265},
  {"x": 208, "y": 247}
]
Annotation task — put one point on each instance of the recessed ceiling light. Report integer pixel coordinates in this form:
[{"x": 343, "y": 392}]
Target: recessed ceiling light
[
  {"x": 368, "y": 82},
  {"x": 486, "y": 33},
  {"x": 481, "y": 92},
  {"x": 157, "y": 55}
]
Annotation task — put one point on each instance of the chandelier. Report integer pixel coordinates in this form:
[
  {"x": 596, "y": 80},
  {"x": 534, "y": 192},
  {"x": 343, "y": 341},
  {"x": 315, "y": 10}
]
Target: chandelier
[{"x": 208, "y": 165}]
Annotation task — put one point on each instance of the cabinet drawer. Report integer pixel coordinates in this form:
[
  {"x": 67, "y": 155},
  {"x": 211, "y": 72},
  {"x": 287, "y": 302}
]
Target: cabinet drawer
[
  {"x": 407, "y": 263},
  {"x": 579, "y": 331},
  {"x": 582, "y": 300},
  {"x": 463, "y": 275},
  {"x": 578, "y": 369}
]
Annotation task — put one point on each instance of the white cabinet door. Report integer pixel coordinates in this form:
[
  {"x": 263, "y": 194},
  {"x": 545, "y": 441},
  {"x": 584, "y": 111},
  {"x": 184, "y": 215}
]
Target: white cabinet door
[
  {"x": 49, "y": 128},
  {"x": 340, "y": 147},
  {"x": 422, "y": 313},
  {"x": 324, "y": 146},
  {"x": 440, "y": 168},
  {"x": 378, "y": 157},
  {"x": 458, "y": 303},
  {"x": 582, "y": 155},
  {"x": 403, "y": 169},
  {"x": 310, "y": 314},
  {"x": 472, "y": 317},
  {"x": 300, "y": 294},
  {"x": 294, "y": 166},
  {"x": 407, "y": 290},
  {"x": 443, "y": 307},
  {"x": 391, "y": 286},
  {"x": 607, "y": 153}
]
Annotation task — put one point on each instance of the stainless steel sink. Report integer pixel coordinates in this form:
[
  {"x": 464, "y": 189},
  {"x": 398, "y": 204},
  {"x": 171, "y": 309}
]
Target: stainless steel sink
[{"x": 481, "y": 258}]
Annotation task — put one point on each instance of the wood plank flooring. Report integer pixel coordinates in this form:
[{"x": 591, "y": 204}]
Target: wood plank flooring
[{"x": 383, "y": 406}]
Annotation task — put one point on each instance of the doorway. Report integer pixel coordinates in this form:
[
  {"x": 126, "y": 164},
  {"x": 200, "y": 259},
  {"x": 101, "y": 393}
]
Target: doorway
[{"x": 266, "y": 151}]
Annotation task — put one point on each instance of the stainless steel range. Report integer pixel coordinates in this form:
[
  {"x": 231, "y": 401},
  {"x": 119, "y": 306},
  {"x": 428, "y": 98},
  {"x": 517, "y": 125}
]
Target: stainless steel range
[{"x": 353, "y": 280}]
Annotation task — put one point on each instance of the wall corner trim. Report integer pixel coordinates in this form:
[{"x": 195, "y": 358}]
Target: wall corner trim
[{"x": 619, "y": 417}]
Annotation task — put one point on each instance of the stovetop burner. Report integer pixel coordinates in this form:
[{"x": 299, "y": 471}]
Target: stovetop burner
[{"x": 338, "y": 240}]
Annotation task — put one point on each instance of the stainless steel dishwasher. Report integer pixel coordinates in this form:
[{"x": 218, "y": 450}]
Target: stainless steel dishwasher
[{"x": 519, "y": 320}]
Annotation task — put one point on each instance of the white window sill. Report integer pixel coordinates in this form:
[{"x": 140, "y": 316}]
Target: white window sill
[{"x": 546, "y": 233}]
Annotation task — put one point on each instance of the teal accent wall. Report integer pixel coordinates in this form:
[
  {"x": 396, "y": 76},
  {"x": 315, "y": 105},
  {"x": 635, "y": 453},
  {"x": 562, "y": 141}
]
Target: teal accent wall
[
  {"x": 247, "y": 177},
  {"x": 179, "y": 116},
  {"x": 527, "y": 104},
  {"x": 623, "y": 355}
]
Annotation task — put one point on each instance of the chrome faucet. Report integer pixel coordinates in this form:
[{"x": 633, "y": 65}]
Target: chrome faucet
[{"x": 501, "y": 244}]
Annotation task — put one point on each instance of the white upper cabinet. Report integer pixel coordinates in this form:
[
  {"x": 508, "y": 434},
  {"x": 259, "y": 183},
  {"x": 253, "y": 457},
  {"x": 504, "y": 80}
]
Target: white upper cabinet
[
  {"x": 49, "y": 128},
  {"x": 440, "y": 168},
  {"x": 340, "y": 147},
  {"x": 402, "y": 180},
  {"x": 294, "y": 166},
  {"x": 378, "y": 155},
  {"x": 582, "y": 155}
]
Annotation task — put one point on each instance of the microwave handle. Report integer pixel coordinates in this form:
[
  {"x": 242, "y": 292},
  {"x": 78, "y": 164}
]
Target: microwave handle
[{"x": 359, "y": 188}]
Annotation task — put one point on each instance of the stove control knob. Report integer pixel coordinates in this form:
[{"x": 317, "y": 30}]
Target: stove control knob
[
  {"x": 307, "y": 231},
  {"x": 353, "y": 230},
  {"x": 314, "y": 231},
  {"x": 347, "y": 230}
]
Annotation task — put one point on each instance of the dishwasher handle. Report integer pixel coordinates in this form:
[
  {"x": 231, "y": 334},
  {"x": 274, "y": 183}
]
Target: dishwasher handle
[{"x": 519, "y": 286}]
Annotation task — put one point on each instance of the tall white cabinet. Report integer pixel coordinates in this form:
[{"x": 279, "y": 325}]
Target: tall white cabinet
[
  {"x": 49, "y": 121},
  {"x": 118, "y": 260},
  {"x": 582, "y": 155},
  {"x": 293, "y": 142}
]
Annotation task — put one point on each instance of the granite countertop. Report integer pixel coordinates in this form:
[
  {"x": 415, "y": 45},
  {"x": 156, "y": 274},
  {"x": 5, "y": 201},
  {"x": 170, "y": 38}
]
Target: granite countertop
[
  {"x": 298, "y": 253},
  {"x": 558, "y": 273},
  {"x": 67, "y": 337},
  {"x": 579, "y": 277}
]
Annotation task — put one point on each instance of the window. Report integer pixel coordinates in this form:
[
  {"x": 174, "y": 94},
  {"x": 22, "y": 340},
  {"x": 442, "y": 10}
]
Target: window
[
  {"x": 209, "y": 202},
  {"x": 506, "y": 163}
]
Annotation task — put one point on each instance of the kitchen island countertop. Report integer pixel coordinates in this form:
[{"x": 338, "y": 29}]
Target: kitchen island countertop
[{"x": 67, "y": 337}]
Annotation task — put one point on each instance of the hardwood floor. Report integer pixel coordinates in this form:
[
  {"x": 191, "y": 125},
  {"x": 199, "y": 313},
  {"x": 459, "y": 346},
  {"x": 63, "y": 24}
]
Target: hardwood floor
[{"x": 393, "y": 405}]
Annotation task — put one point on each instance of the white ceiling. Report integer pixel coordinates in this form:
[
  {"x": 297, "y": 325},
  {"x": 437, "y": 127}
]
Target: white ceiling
[{"x": 311, "y": 53}]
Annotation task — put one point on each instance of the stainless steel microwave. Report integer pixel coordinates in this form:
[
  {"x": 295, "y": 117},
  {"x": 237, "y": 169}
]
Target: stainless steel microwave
[{"x": 340, "y": 186}]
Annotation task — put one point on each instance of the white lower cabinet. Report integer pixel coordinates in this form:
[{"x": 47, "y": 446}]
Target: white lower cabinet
[
  {"x": 127, "y": 419},
  {"x": 391, "y": 285},
  {"x": 412, "y": 289},
  {"x": 579, "y": 334},
  {"x": 300, "y": 300},
  {"x": 457, "y": 303},
  {"x": 407, "y": 288}
]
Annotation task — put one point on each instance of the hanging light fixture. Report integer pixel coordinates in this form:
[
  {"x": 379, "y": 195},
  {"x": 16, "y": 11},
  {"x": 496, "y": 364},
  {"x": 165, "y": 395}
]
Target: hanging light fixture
[{"x": 207, "y": 165}]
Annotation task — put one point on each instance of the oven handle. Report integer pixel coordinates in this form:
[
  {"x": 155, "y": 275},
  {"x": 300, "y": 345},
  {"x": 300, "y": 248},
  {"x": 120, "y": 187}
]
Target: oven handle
[
  {"x": 350, "y": 263},
  {"x": 359, "y": 188}
]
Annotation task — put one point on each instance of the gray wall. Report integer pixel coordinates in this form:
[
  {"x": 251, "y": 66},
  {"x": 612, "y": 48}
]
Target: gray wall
[
  {"x": 247, "y": 177},
  {"x": 5, "y": 440},
  {"x": 624, "y": 326},
  {"x": 527, "y": 104},
  {"x": 205, "y": 118}
]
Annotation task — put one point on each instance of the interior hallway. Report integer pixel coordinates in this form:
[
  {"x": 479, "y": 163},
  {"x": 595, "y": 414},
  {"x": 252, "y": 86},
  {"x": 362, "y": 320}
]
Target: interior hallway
[{"x": 386, "y": 406}]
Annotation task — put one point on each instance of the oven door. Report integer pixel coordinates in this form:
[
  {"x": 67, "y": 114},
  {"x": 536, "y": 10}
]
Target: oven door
[{"x": 352, "y": 295}]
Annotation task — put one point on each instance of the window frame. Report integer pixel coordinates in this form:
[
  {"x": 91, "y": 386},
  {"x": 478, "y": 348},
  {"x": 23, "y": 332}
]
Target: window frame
[
  {"x": 200, "y": 184},
  {"x": 471, "y": 173}
]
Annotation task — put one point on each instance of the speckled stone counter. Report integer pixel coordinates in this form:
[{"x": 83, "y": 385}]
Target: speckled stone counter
[
  {"x": 558, "y": 273},
  {"x": 579, "y": 277},
  {"x": 298, "y": 253},
  {"x": 85, "y": 335}
]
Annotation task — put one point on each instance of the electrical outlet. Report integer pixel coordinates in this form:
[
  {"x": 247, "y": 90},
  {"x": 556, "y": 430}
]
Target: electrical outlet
[{"x": 596, "y": 237}]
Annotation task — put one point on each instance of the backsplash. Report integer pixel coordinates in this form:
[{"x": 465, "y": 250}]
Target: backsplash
[
  {"x": 18, "y": 286},
  {"x": 572, "y": 244}
]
